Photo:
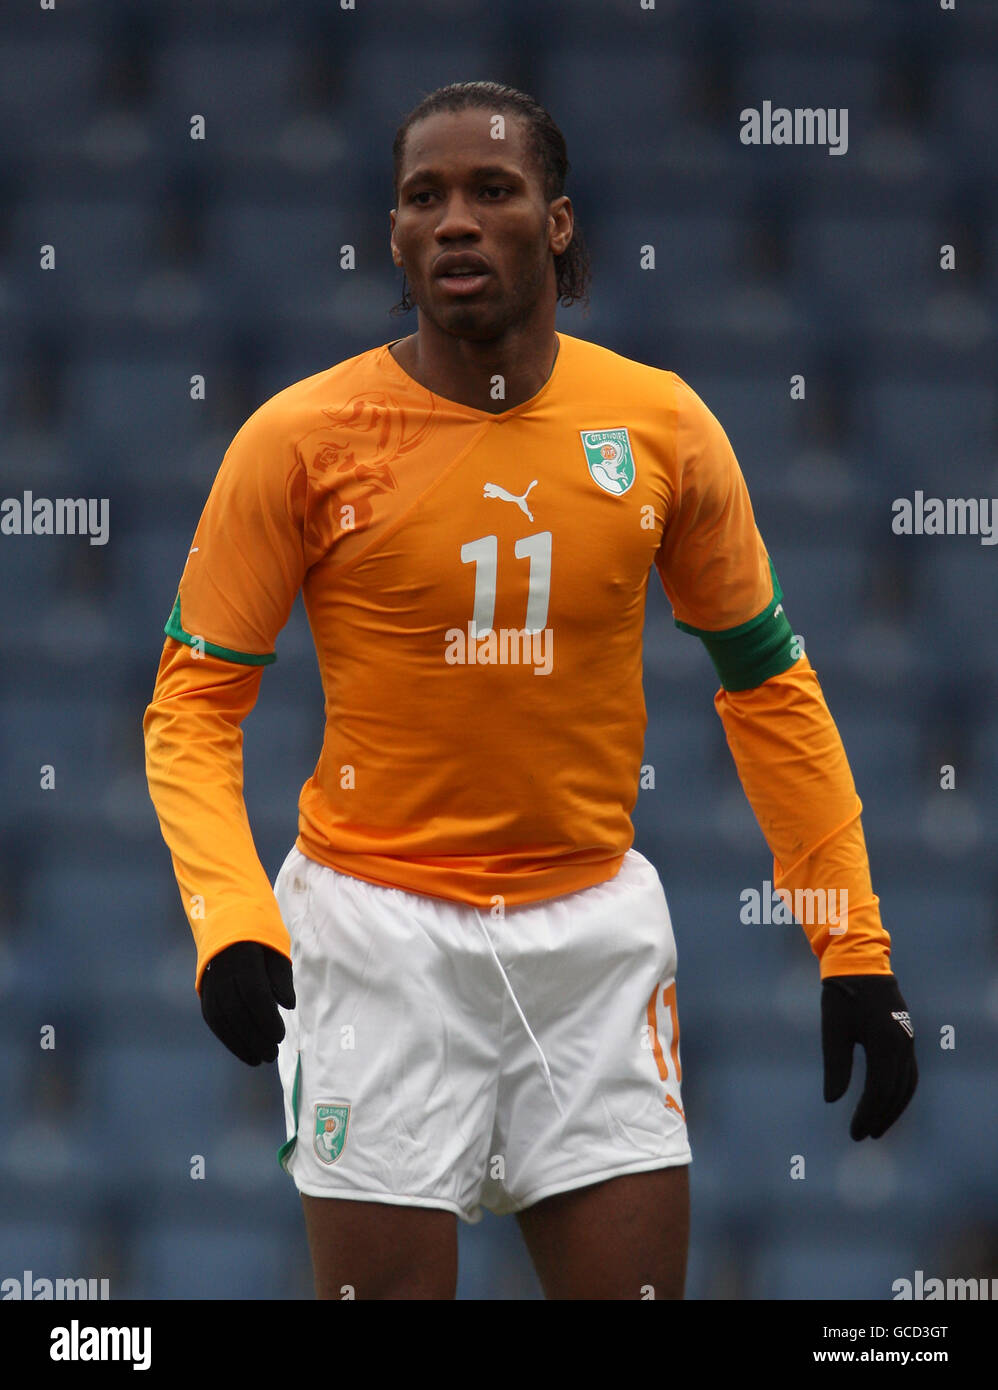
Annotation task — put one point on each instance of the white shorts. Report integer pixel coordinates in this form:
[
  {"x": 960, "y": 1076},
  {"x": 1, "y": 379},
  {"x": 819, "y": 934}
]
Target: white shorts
[{"x": 440, "y": 1056}]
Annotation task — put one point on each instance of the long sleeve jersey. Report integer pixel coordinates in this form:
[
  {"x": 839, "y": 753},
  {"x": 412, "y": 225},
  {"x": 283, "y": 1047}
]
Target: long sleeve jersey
[{"x": 475, "y": 585}]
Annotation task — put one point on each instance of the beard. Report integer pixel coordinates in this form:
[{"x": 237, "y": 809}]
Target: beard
[{"x": 493, "y": 317}]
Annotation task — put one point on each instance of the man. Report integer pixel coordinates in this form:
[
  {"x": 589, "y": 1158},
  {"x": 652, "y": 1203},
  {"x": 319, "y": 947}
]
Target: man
[{"x": 484, "y": 1004}]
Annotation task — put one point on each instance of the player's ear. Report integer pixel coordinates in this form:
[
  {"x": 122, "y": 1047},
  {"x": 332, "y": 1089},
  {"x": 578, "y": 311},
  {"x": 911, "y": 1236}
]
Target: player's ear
[
  {"x": 562, "y": 222},
  {"x": 396, "y": 253}
]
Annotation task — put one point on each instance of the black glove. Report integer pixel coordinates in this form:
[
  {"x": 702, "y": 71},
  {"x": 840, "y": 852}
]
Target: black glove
[
  {"x": 868, "y": 1009},
  {"x": 238, "y": 990}
]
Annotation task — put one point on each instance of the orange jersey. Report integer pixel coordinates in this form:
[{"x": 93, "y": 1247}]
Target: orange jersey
[{"x": 475, "y": 585}]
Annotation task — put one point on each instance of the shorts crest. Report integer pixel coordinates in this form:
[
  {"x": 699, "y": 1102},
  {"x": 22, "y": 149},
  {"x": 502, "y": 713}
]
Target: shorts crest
[{"x": 330, "y": 1130}]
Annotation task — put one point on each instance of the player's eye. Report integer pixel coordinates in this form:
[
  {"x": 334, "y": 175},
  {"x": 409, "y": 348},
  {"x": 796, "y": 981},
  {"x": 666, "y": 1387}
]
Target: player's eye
[
  {"x": 494, "y": 189},
  {"x": 422, "y": 193}
]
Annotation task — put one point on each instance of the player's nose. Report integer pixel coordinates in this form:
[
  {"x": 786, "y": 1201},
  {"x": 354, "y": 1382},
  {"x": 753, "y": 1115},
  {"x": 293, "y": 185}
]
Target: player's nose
[{"x": 457, "y": 219}]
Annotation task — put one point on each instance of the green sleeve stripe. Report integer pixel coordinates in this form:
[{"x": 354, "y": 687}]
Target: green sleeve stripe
[
  {"x": 175, "y": 630},
  {"x": 746, "y": 655}
]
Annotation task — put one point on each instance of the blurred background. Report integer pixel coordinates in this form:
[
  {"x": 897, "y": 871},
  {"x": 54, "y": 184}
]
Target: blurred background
[{"x": 222, "y": 257}]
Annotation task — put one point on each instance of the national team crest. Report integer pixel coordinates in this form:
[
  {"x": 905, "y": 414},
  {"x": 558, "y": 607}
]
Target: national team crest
[
  {"x": 611, "y": 463},
  {"x": 330, "y": 1132}
]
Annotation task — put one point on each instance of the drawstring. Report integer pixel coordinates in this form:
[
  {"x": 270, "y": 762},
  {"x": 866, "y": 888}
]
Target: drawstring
[{"x": 516, "y": 1002}]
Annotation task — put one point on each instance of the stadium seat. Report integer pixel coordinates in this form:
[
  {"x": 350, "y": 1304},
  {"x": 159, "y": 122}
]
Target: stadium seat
[
  {"x": 865, "y": 266},
  {"x": 968, "y": 108},
  {"x": 238, "y": 84},
  {"x": 72, "y": 734},
  {"x": 150, "y": 1110},
  {"x": 69, "y": 66},
  {"x": 761, "y": 1112},
  {"x": 48, "y": 1249},
  {"x": 385, "y": 79},
  {"x": 131, "y": 405},
  {"x": 493, "y": 1262},
  {"x": 962, "y": 1126},
  {"x": 789, "y": 78},
  {"x": 101, "y": 246},
  {"x": 197, "y": 1262},
  {"x": 102, "y": 929},
  {"x": 861, "y": 1271},
  {"x": 908, "y": 418}
]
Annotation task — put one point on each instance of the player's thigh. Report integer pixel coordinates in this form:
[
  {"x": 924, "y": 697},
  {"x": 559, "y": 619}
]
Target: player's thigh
[
  {"x": 380, "y": 1250},
  {"x": 627, "y": 1237}
]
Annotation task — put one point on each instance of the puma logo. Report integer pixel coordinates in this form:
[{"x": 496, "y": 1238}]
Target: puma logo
[{"x": 494, "y": 490}]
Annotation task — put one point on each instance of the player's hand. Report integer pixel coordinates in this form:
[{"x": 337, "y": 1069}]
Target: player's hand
[
  {"x": 240, "y": 990},
  {"x": 868, "y": 1009}
]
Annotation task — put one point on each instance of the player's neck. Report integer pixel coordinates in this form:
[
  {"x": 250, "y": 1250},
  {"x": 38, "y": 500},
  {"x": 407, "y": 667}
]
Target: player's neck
[{"x": 493, "y": 376}]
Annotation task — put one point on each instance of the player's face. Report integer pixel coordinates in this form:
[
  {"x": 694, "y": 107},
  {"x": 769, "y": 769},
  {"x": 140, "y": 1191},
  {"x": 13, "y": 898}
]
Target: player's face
[{"x": 472, "y": 227}]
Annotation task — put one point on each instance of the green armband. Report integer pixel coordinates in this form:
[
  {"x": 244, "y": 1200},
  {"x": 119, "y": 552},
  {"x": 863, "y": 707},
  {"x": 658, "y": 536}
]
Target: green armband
[
  {"x": 749, "y": 654},
  {"x": 175, "y": 630}
]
